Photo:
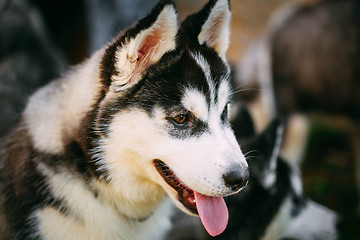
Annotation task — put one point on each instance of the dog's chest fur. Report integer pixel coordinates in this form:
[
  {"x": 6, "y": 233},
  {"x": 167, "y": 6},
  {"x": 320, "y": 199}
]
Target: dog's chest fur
[
  {"x": 60, "y": 202},
  {"x": 104, "y": 222}
]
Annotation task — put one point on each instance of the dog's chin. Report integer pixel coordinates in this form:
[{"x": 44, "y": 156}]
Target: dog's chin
[{"x": 184, "y": 196}]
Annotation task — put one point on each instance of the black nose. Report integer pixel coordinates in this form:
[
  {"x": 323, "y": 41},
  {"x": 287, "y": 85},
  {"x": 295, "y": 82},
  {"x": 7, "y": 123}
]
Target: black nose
[{"x": 236, "y": 179}]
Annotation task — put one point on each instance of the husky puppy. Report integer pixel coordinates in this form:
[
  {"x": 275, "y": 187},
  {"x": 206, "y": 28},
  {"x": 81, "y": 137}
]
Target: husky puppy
[
  {"x": 98, "y": 151},
  {"x": 273, "y": 205}
]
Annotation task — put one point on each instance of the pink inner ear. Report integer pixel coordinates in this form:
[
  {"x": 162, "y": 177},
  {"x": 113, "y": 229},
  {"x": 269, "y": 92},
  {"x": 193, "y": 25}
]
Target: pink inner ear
[
  {"x": 149, "y": 45},
  {"x": 141, "y": 53}
]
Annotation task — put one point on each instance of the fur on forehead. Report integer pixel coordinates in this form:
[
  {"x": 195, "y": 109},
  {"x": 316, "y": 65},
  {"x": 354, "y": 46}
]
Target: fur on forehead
[{"x": 216, "y": 93}]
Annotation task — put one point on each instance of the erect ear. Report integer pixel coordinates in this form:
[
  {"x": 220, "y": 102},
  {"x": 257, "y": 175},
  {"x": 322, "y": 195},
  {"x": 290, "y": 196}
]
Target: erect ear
[
  {"x": 215, "y": 32},
  {"x": 133, "y": 52}
]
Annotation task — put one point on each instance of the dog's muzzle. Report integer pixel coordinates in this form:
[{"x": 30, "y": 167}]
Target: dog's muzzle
[{"x": 212, "y": 210}]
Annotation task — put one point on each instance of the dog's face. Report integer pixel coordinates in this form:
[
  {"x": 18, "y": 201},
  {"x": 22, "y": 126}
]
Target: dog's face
[{"x": 163, "y": 117}]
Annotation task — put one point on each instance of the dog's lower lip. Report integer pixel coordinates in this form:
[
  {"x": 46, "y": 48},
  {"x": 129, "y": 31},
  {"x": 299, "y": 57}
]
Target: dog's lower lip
[{"x": 185, "y": 194}]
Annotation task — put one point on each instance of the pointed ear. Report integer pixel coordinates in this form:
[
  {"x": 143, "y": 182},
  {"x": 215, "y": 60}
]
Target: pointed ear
[
  {"x": 133, "y": 52},
  {"x": 215, "y": 32}
]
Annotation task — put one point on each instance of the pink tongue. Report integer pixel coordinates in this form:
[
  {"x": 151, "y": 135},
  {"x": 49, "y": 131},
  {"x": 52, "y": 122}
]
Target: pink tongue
[{"x": 213, "y": 213}]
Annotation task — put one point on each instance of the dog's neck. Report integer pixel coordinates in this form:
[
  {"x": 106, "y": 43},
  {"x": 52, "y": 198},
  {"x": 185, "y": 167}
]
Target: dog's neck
[{"x": 136, "y": 201}]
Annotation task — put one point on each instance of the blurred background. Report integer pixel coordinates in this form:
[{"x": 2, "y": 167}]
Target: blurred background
[{"x": 76, "y": 28}]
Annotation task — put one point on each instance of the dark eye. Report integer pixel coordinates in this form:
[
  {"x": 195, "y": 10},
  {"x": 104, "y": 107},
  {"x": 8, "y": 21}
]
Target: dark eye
[{"x": 181, "y": 119}]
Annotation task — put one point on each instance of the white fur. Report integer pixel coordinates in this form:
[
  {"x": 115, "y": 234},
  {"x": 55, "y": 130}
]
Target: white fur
[
  {"x": 50, "y": 119},
  {"x": 104, "y": 224},
  {"x": 270, "y": 175},
  {"x": 195, "y": 102},
  {"x": 100, "y": 217},
  {"x": 313, "y": 222},
  {"x": 295, "y": 178},
  {"x": 223, "y": 96},
  {"x": 204, "y": 65},
  {"x": 319, "y": 222}
]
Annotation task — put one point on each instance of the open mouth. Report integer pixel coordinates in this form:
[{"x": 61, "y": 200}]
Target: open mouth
[
  {"x": 212, "y": 210},
  {"x": 185, "y": 195}
]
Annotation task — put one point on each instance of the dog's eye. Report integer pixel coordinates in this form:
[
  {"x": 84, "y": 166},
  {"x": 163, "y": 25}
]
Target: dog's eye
[{"x": 181, "y": 119}]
